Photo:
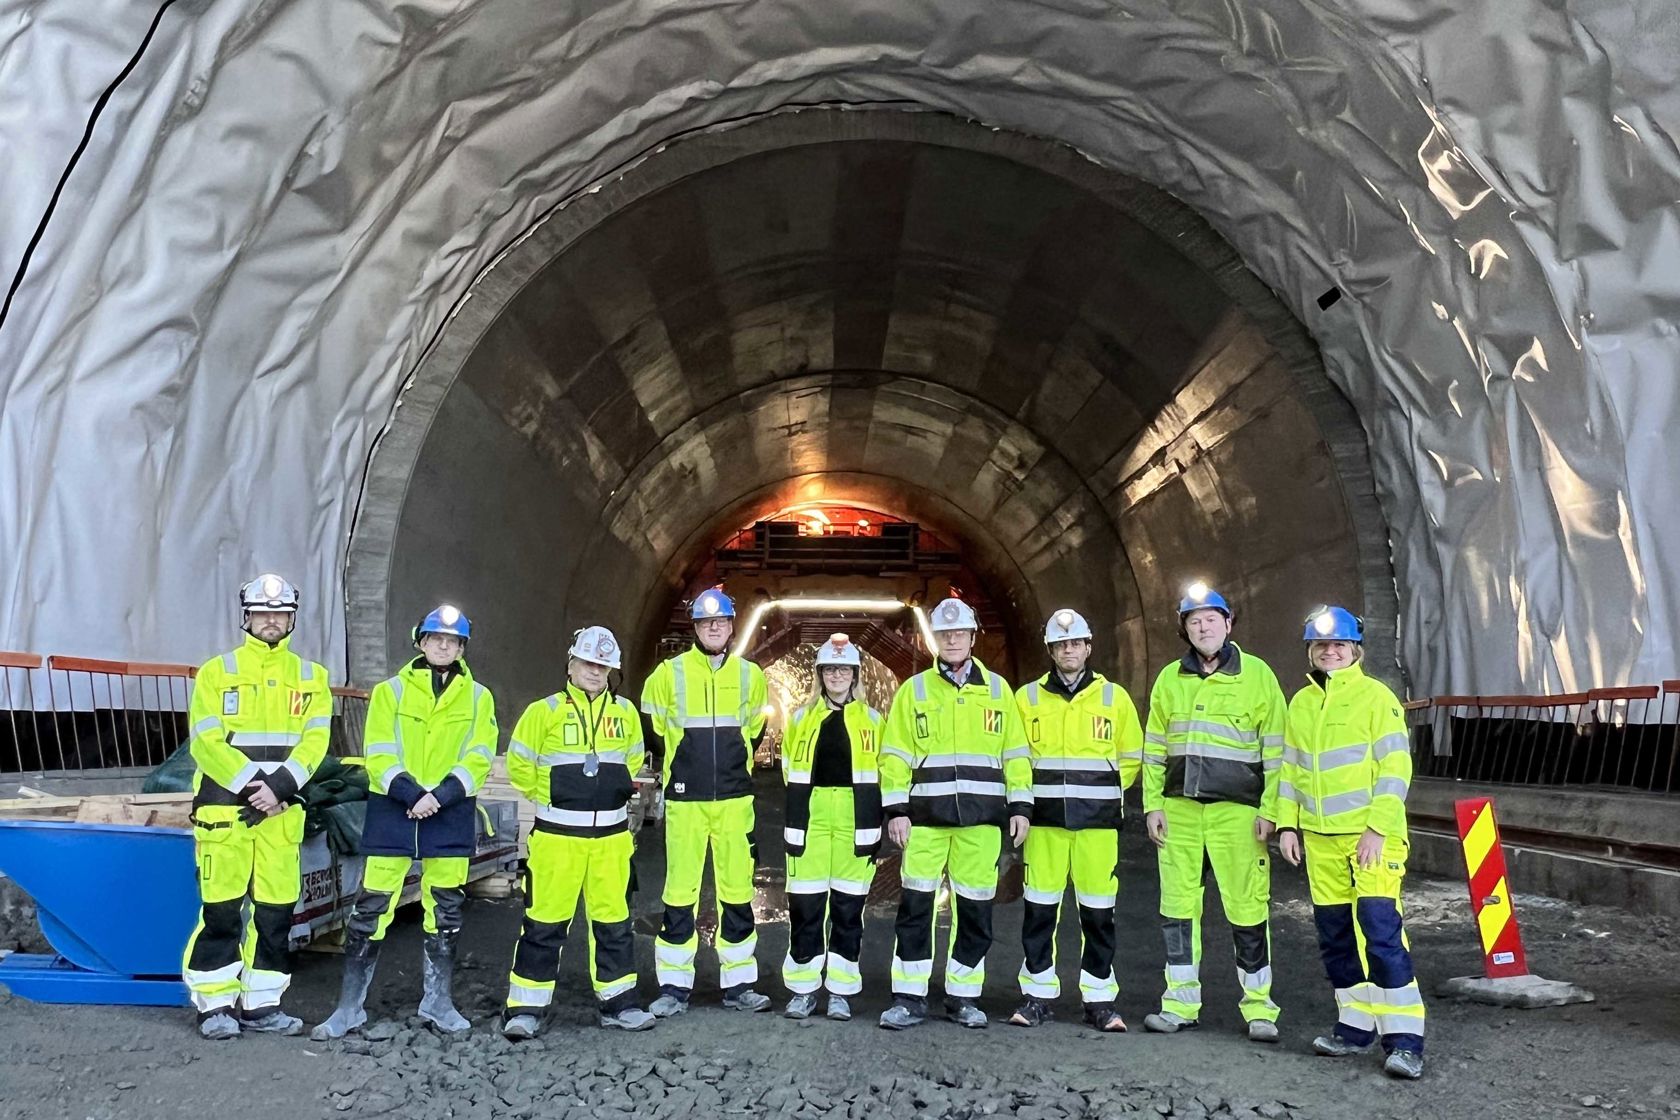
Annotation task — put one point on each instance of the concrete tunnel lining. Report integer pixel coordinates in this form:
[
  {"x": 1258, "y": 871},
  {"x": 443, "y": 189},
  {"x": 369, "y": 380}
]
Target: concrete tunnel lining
[{"x": 1191, "y": 423}]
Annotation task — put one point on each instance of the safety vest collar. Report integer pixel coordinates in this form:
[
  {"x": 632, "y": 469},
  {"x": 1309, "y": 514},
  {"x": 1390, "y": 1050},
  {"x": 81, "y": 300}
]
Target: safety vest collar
[
  {"x": 255, "y": 645},
  {"x": 1230, "y": 661},
  {"x": 705, "y": 659},
  {"x": 976, "y": 674},
  {"x": 1341, "y": 679},
  {"x": 580, "y": 700},
  {"x": 417, "y": 674},
  {"x": 1052, "y": 682}
]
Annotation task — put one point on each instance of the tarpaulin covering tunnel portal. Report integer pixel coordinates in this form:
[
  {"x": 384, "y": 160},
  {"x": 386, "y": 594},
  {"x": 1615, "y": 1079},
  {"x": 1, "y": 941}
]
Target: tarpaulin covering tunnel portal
[
  {"x": 239, "y": 238},
  {"x": 1059, "y": 368}
]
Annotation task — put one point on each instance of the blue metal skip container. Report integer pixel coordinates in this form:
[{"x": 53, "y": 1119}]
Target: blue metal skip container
[{"x": 116, "y": 901}]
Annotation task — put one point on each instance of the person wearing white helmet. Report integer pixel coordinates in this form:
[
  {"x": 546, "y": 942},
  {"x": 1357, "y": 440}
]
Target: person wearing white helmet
[
  {"x": 1087, "y": 747},
  {"x": 575, "y": 754},
  {"x": 430, "y": 738},
  {"x": 261, "y": 717},
  {"x": 833, "y": 830},
  {"x": 707, "y": 708},
  {"x": 955, "y": 770}
]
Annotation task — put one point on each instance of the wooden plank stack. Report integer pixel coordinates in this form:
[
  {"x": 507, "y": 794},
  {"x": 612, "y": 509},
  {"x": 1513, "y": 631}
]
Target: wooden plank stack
[{"x": 161, "y": 810}]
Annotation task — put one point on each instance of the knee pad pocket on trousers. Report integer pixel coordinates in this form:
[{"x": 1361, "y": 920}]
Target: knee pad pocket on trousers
[
  {"x": 537, "y": 956},
  {"x": 1336, "y": 945},
  {"x": 1388, "y": 962},
  {"x": 914, "y": 934},
  {"x": 615, "y": 949},
  {"x": 218, "y": 940},
  {"x": 805, "y": 932},
  {"x": 677, "y": 926},
  {"x": 737, "y": 924},
  {"x": 1179, "y": 935},
  {"x": 974, "y": 931},
  {"x": 364, "y": 916},
  {"x": 273, "y": 923},
  {"x": 1253, "y": 953},
  {"x": 447, "y": 903}
]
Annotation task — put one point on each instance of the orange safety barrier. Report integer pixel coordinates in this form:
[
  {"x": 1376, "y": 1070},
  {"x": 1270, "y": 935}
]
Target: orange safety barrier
[{"x": 68, "y": 713}]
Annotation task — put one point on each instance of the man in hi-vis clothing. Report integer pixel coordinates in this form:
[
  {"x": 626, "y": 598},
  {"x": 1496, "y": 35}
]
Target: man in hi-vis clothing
[
  {"x": 954, "y": 773},
  {"x": 707, "y": 707},
  {"x": 1087, "y": 746},
  {"x": 431, "y": 734},
  {"x": 575, "y": 754},
  {"x": 1212, "y": 752},
  {"x": 261, "y": 717}
]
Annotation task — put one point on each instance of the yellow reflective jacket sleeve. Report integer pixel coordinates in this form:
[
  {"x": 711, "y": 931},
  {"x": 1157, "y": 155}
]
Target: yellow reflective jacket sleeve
[
  {"x": 379, "y": 738},
  {"x": 479, "y": 747},
  {"x": 1155, "y": 747},
  {"x": 758, "y": 698},
  {"x": 1128, "y": 740},
  {"x": 897, "y": 753},
  {"x": 1270, "y": 722},
  {"x": 1017, "y": 759},
  {"x": 529, "y": 735},
  {"x": 209, "y": 746},
  {"x": 1391, "y": 745},
  {"x": 1297, "y": 727},
  {"x": 658, "y": 698},
  {"x": 317, "y": 726},
  {"x": 635, "y": 751}
]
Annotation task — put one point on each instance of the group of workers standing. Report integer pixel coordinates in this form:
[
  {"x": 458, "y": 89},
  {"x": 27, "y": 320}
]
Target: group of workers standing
[{"x": 961, "y": 762}]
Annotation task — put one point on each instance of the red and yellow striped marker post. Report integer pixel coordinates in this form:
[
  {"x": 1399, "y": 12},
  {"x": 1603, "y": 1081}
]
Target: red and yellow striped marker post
[{"x": 1490, "y": 890}]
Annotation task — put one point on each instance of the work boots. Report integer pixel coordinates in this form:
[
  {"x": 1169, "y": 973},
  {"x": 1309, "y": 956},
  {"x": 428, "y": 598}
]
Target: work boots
[
  {"x": 218, "y": 1027},
  {"x": 436, "y": 1006},
  {"x": 360, "y": 957}
]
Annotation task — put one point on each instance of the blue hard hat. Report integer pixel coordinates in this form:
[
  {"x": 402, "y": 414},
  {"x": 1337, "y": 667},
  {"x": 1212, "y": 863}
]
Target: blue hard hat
[
  {"x": 712, "y": 604},
  {"x": 1199, "y": 595},
  {"x": 1333, "y": 624},
  {"x": 445, "y": 620}
]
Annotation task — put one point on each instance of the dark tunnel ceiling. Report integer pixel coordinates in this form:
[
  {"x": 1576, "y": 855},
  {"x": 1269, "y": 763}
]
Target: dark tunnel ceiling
[{"x": 1034, "y": 365}]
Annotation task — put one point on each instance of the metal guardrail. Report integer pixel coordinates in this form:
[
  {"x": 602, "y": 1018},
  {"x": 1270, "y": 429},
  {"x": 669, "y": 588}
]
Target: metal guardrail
[
  {"x": 1604, "y": 738},
  {"x": 73, "y": 714}
]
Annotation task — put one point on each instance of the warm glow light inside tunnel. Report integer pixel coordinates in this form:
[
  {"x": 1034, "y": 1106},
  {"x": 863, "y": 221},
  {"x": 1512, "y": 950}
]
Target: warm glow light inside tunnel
[{"x": 872, "y": 606}]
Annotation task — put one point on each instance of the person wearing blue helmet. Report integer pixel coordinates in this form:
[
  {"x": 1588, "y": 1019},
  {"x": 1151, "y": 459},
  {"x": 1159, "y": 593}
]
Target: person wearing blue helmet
[
  {"x": 429, "y": 742},
  {"x": 1212, "y": 750},
  {"x": 706, "y": 708},
  {"x": 1347, "y": 768}
]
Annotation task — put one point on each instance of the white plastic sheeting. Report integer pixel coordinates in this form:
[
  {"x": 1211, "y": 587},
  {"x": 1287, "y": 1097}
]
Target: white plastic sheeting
[{"x": 284, "y": 200}]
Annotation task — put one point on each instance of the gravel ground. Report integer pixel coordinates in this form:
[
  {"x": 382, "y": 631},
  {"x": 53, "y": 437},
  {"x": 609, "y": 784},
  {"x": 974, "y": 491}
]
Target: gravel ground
[{"x": 1619, "y": 1054}]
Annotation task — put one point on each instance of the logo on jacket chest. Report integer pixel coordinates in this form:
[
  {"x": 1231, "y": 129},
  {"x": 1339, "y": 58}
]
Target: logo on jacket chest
[
  {"x": 993, "y": 721},
  {"x": 1102, "y": 729},
  {"x": 299, "y": 702}
]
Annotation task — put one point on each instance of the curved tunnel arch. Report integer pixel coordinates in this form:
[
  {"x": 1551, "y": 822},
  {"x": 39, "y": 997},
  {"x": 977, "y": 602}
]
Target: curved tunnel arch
[
  {"x": 282, "y": 204},
  {"x": 1048, "y": 350}
]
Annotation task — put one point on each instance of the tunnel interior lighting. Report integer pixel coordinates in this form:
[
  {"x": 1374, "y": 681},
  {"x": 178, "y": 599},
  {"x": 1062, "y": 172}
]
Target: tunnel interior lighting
[{"x": 804, "y": 605}]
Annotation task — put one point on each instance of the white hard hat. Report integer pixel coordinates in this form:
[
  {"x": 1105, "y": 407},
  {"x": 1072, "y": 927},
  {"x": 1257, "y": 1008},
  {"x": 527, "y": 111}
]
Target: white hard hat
[
  {"x": 1066, "y": 625},
  {"x": 953, "y": 614},
  {"x": 596, "y": 645},
  {"x": 269, "y": 592},
  {"x": 838, "y": 650}
]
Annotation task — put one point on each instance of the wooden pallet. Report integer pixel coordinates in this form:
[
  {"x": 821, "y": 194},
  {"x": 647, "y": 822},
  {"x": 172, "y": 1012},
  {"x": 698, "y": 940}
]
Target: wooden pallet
[{"x": 163, "y": 810}]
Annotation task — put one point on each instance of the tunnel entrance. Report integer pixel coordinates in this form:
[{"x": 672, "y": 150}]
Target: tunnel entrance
[{"x": 1060, "y": 375}]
